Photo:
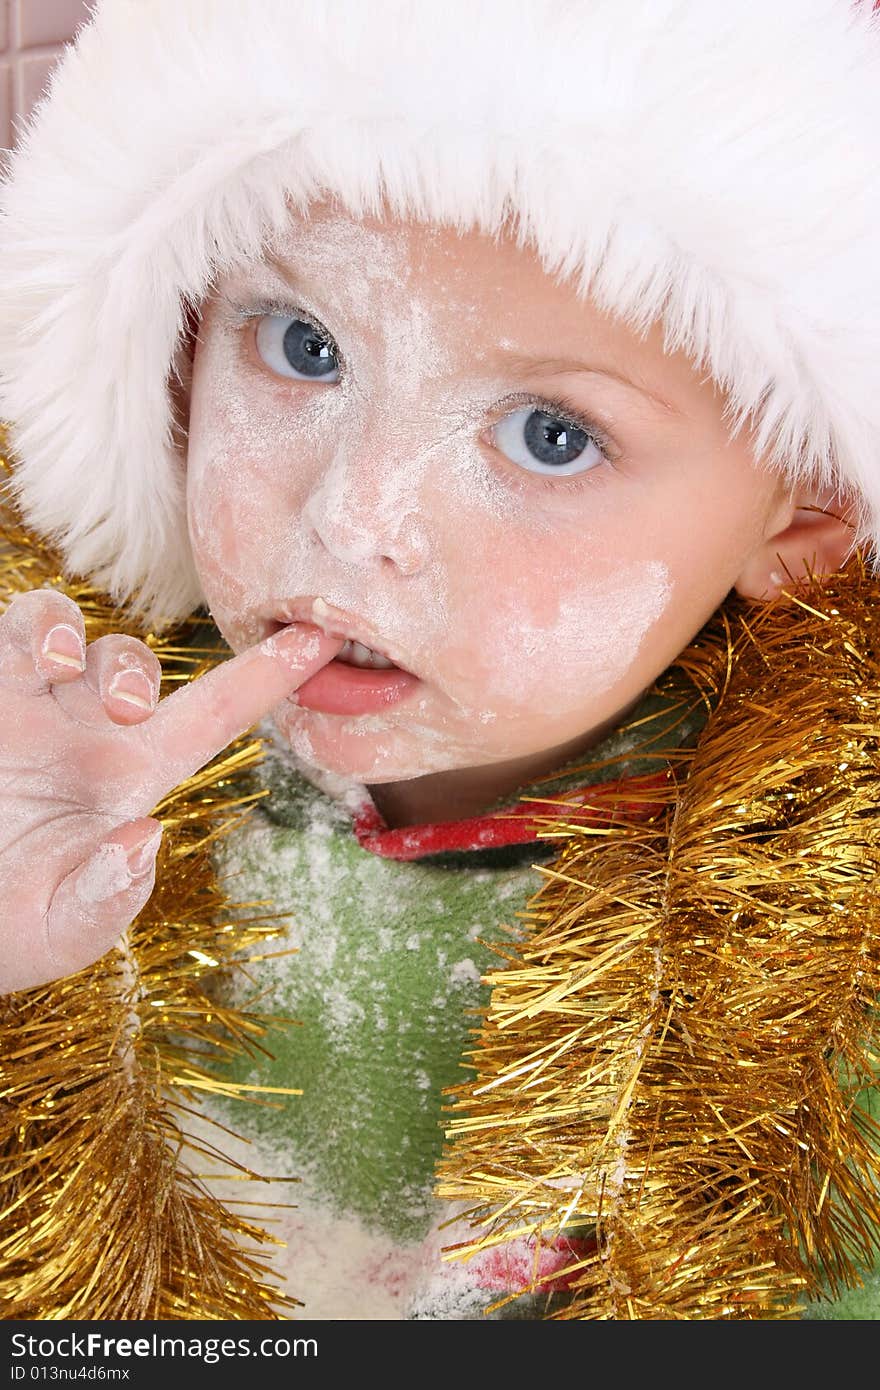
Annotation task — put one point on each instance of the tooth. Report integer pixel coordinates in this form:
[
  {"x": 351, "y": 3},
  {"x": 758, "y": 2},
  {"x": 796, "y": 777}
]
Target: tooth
[{"x": 356, "y": 654}]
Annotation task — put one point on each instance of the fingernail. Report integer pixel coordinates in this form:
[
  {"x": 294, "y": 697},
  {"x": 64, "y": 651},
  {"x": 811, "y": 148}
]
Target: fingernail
[
  {"x": 140, "y": 857},
  {"x": 64, "y": 645},
  {"x": 134, "y": 689}
]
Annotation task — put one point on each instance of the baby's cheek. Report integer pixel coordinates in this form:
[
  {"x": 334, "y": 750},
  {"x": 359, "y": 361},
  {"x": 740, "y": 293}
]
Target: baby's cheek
[
  {"x": 553, "y": 638},
  {"x": 225, "y": 532}
]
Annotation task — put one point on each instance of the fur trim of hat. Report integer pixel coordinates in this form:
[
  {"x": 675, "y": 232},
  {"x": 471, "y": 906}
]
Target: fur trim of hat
[{"x": 714, "y": 166}]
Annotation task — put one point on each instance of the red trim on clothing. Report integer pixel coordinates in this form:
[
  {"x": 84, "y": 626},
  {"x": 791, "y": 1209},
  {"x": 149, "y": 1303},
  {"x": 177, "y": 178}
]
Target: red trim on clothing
[
  {"x": 519, "y": 825},
  {"x": 515, "y": 1267}
]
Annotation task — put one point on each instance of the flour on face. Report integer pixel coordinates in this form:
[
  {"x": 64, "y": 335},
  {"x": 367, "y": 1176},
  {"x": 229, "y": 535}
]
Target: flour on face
[
  {"x": 592, "y": 641},
  {"x": 521, "y": 600}
]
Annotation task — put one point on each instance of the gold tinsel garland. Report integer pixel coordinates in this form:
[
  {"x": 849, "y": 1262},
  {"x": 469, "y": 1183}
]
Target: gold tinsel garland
[
  {"x": 671, "y": 1063},
  {"x": 102, "y": 1214}
]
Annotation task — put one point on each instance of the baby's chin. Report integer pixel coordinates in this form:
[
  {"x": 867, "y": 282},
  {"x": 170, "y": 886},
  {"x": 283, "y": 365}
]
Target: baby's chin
[{"x": 367, "y": 750}]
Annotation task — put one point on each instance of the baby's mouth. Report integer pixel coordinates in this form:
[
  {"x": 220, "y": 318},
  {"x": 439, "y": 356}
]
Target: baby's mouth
[
  {"x": 360, "y": 679},
  {"x": 356, "y": 654},
  {"x": 336, "y": 622},
  {"x": 344, "y": 686}
]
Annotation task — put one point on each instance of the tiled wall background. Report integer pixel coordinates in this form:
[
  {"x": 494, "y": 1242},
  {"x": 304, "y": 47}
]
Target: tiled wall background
[{"x": 32, "y": 34}]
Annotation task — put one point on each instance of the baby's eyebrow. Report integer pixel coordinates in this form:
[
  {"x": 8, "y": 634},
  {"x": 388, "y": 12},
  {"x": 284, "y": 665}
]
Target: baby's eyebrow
[{"x": 560, "y": 366}]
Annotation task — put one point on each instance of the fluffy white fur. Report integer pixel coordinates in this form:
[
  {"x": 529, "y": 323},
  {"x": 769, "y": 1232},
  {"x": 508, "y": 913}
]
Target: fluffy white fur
[{"x": 714, "y": 163}]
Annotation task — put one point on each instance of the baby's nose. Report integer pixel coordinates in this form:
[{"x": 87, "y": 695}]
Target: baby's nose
[{"x": 359, "y": 514}]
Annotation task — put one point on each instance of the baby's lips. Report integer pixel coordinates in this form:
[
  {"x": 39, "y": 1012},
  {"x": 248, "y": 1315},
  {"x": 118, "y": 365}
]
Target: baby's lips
[{"x": 196, "y": 722}]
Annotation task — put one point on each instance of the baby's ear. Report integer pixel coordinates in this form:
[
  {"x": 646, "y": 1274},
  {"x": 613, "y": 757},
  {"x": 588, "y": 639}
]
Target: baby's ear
[{"x": 815, "y": 529}]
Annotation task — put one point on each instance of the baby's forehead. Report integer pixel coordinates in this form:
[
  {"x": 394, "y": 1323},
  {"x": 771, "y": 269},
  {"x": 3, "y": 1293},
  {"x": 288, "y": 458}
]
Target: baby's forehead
[
  {"x": 331, "y": 238},
  {"x": 482, "y": 299}
]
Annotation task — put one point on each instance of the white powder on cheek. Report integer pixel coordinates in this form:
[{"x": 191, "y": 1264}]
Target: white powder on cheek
[{"x": 591, "y": 644}]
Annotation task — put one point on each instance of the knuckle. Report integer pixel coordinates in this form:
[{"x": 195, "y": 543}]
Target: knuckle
[
  {"x": 35, "y": 609},
  {"x": 31, "y": 651}
]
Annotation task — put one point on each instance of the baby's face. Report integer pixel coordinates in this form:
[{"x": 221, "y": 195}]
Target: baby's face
[{"x": 420, "y": 440}]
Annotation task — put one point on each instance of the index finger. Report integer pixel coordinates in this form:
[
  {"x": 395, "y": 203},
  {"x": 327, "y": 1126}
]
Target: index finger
[{"x": 195, "y": 723}]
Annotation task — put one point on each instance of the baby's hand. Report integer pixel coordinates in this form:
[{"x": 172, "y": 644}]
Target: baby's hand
[{"x": 86, "y": 753}]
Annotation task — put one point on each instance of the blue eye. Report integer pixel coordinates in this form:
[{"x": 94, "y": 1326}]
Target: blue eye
[
  {"x": 546, "y": 443},
  {"x": 296, "y": 349}
]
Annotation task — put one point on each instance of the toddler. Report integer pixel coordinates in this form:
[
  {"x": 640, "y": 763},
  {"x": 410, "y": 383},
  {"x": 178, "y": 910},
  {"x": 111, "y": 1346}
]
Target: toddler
[{"x": 459, "y": 364}]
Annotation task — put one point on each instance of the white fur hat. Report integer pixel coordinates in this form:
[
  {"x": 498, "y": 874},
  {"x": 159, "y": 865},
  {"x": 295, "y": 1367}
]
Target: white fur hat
[{"x": 714, "y": 164}]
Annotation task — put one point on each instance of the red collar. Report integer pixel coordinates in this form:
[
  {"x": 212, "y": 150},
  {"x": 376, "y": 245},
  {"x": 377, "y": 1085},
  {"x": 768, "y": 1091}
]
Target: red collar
[{"x": 516, "y": 825}]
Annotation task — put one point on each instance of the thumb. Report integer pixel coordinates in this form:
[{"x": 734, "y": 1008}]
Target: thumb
[{"x": 93, "y": 905}]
